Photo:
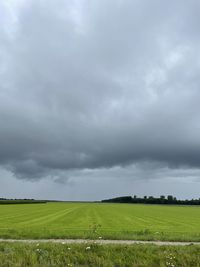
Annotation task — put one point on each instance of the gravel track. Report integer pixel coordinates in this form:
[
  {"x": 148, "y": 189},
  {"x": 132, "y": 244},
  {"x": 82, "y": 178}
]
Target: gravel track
[{"x": 102, "y": 242}]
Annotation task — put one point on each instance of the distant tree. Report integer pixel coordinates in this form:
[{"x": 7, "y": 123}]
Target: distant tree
[
  {"x": 152, "y": 200},
  {"x": 170, "y": 199}
]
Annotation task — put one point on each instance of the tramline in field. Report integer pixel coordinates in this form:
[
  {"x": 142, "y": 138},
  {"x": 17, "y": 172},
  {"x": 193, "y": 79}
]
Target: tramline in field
[{"x": 98, "y": 220}]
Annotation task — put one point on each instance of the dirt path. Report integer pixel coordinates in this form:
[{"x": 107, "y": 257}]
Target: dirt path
[{"x": 102, "y": 242}]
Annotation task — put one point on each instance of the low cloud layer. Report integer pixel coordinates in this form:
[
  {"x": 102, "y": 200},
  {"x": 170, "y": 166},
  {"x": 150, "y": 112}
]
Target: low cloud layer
[{"x": 91, "y": 85}]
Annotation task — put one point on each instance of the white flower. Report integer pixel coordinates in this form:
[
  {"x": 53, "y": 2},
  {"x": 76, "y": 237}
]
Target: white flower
[
  {"x": 100, "y": 237},
  {"x": 63, "y": 243},
  {"x": 87, "y": 248},
  {"x": 68, "y": 248}
]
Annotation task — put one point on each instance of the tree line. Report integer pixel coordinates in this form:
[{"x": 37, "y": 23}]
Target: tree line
[
  {"x": 20, "y": 201},
  {"x": 169, "y": 200}
]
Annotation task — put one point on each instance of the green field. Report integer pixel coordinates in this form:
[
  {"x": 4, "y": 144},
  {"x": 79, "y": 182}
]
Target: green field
[
  {"x": 93, "y": 255},
  {"x": 94, "y": 220}
]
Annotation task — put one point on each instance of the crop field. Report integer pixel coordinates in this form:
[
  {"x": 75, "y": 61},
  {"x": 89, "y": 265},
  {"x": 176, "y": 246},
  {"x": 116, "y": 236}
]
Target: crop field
[{"x": 99, "y": 220}]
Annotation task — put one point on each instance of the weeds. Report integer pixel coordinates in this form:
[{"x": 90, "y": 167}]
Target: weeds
[{"x": 92, "y": 255}]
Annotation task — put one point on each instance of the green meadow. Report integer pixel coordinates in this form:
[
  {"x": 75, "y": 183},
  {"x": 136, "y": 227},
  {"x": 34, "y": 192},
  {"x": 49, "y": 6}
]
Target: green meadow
[
  {"x": 100, "y": 220},
  {"x": 93, "y": 255}
]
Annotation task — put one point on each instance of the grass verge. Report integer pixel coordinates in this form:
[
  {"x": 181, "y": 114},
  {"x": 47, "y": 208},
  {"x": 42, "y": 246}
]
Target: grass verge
[
  {"x": 91, "y": 254},
  {"x": 146, "y": 235}
]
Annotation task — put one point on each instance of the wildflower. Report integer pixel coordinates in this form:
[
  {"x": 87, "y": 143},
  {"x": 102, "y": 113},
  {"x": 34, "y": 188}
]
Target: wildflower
[
  {"x": 69, "y": 248},
  {"x": 100, "y": 237},
  {"x": 63, "y": 243},
  {"x": 37, "y": 245},
  {"x": 87, "y": 248}
]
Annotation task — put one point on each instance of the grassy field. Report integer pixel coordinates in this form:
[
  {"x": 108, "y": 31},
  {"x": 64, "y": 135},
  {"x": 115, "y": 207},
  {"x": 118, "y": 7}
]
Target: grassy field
[
  {"x": 94, "y": 220},
  {"x": 43, "y": 255}
]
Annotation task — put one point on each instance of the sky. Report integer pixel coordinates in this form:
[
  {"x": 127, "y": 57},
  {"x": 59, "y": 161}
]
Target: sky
[{"x": 99, "y": 99}]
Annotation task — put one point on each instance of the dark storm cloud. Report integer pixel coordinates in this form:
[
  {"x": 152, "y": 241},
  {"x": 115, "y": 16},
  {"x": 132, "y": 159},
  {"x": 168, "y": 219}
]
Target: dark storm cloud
[{"x": 98, "y": 84}]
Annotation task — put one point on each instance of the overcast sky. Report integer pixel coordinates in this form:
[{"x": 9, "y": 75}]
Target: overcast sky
[{"x": 99, "y": 98}]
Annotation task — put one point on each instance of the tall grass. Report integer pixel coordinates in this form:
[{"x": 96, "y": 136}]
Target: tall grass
[{"x": 91, "y": 254}]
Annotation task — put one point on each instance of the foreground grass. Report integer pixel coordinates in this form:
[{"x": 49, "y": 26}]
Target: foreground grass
[
  {"x": 91, "y": 220},
  {"x": 91, "y": 254}
]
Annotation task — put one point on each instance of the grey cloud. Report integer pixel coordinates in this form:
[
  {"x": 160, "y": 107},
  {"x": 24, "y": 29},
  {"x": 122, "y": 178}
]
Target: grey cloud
[
  {"x": 104, "y": 183},
  {"x": 90, "y": 85}
]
